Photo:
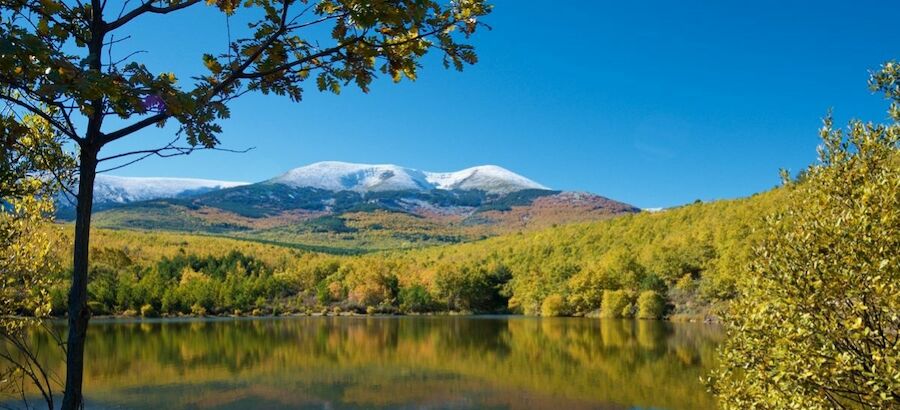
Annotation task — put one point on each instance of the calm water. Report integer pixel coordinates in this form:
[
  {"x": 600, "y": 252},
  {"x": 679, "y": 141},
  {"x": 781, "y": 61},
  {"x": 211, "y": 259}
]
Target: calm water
[{"x": 399, "y": 363}]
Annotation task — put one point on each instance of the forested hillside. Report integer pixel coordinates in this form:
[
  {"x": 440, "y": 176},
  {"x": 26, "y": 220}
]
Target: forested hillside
[{"x": 680, "y": 262}]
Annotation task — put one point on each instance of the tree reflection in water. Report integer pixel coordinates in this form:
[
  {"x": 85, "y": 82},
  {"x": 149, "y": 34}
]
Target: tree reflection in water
[{"x": 397, "y": 362}]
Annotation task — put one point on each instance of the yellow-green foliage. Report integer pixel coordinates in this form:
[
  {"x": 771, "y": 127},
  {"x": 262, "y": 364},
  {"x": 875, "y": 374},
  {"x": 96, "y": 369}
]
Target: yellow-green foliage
[
  {"x": 616, "y": 304},
  {"x": 817, "y": 325},
  {"x": 26, "y": 240},
  {"x": 554, "y": 305},
  {"x": 650, "y": 305},
  {"x": 702, "y": 245},
  {"x": 28, "y": 153}
]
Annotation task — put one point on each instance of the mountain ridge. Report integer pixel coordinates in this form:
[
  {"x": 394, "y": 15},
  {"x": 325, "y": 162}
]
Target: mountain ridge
[
  {"x": 346, "y": 205},
  {"x": 357, "y": 177}
]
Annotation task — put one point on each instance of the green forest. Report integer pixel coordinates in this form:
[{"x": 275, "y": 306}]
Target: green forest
[{"x": 679, "y": 263}]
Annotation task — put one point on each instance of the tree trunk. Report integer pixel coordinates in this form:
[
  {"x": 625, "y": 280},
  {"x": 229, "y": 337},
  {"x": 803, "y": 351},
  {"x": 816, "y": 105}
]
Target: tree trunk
[{"x": 79, "y": 314}]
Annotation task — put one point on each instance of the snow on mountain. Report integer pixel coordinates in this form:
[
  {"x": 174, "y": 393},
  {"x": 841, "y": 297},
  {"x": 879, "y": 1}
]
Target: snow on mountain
[
  {"x": 110, "y": 189},
  {"x": 343, "y": 176},
  {"x": 488, "y": 178}
]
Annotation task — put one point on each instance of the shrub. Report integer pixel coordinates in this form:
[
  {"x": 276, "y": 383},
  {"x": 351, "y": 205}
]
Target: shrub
[
  {"x": 198, "y": 310},
  {"x": 97, "y": 308},
  {"x": 686, "y": 283},
  {"x": 653, "y": 282},
  {"x": 650, "y": 305},
  {"x": 616, "y": 304},
  {"x": 817, "y": 323},
  {"x": 415, "y": 299},
  {"x": 148, "y": 311},
  {"x": 554, "y": 305}
]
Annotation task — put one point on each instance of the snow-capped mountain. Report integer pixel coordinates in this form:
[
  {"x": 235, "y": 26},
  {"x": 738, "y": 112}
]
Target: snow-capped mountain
[
  {"x": 363, "y": 178},
  {"x": 109, "y": 189},
  {"x": 337, "y": 202}
]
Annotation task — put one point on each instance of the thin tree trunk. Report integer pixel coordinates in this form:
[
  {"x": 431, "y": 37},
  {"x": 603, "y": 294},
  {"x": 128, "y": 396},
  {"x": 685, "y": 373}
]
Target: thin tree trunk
[{"x": 79, "y": 314}]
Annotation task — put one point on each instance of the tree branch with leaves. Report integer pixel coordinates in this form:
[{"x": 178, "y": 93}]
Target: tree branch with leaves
[{"x": 52, "y": 65}]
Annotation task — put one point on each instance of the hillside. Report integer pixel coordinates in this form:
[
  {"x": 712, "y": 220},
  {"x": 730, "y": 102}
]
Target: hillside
[
  {"x": 689, "y": 256},
  {"x": 355, "y": 207}
]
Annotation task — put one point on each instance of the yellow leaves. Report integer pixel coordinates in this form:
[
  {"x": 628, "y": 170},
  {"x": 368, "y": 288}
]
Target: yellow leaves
[
  {"x": 327, "y": 7},
  {"x": 855, "y": 324},
  {"x": 826, "y": 270}
]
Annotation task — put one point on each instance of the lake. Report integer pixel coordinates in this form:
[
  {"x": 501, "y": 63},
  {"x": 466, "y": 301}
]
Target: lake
[{"x": 433, "y": 362}]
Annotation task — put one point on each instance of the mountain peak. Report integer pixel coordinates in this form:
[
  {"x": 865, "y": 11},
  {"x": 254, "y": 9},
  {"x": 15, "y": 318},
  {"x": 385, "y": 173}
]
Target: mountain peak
[
  {"x": 346, "y": 176},
  {"x": 488, "y": 178}
]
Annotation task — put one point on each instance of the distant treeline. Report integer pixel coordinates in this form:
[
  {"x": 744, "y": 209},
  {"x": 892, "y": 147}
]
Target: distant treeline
[{"x": 679, "y": 262}]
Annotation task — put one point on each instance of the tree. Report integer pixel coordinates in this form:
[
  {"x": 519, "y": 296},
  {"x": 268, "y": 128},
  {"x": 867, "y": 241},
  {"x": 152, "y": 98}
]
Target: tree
[
  {"x": 817, "y": 324},
  {"x": 32, "y": 166},
  {"x": 56, "y": 62}
]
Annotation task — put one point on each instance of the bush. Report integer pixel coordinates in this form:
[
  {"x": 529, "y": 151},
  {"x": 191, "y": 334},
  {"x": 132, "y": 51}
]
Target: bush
[
  {"x": 148, "y": 311},
  {"x": 616, "y": 304},
  {"x": 554, "y": 305},
  {"x": 817, "y": 323},
  {"x": 416, "y": 299},
  {"x": 58, "y": 301},
  {"x": 97, "y": 308},
  {"x": 686, "y": 283},
  {"x": 650, "y": 305},
  {"x": 198, "y": 310}
]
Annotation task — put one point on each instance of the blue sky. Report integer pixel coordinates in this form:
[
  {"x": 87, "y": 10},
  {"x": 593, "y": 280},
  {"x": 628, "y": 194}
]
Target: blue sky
[{"x": 655, "y": 103}]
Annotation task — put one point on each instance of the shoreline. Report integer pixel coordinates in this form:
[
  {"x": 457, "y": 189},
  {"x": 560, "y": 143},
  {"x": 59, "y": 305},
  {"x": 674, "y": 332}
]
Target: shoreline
[{"x": 708, "y": 320}]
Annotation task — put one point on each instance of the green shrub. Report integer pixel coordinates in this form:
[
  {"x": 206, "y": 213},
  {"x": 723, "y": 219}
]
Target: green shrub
[
  {"x": 416, "y": 299},
  {"x": 616, "y": 304},
  {"x": 650, "y": 305},
  {"x": 58, "y": 300},
  {"x": 554, "y": 305},
  {"x": 97, "y": 308}
]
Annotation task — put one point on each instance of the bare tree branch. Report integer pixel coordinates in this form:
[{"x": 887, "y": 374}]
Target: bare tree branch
[
  {"x": 41, "y": 113},
  {"x": 148, "y": 7},
  {"x": 167, "y": 151}
]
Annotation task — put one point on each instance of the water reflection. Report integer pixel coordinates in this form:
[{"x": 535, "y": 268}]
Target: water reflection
[{"x": 408, "y": 362}]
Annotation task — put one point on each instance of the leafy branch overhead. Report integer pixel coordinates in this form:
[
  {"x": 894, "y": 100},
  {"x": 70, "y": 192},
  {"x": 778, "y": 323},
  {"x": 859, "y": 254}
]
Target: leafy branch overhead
[{"x": 334, "y": 42}]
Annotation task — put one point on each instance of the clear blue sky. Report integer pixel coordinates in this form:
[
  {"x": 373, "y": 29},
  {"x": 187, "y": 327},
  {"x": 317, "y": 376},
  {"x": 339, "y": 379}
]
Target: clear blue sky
[{"x": 655, "y": 103}]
